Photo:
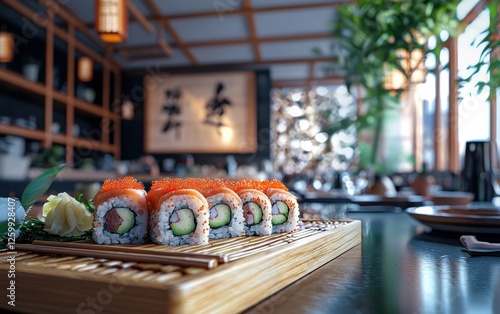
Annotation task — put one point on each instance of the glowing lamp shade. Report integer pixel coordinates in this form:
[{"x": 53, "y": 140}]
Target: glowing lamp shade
[
  {"x": 6, "y": 47},
  {"x": 85, "y": 69},
  {"x": 111, "y": 20},
  {"x": 127, "y": 110}
]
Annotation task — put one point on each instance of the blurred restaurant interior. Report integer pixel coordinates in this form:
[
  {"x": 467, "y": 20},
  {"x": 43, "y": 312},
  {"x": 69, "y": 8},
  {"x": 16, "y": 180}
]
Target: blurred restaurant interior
[
  {"x": 121, "y": 104},
  {"x": 356, "y": 106}
]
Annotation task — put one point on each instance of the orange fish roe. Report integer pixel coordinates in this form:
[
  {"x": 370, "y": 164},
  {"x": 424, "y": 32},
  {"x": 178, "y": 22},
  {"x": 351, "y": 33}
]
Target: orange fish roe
[
  {"x": 255, "y": 184},
  {"x": 242, "y": 184},
  {"x": 267, "y": 184},
  {"x": 210, "y": 185},
  {"x": 172, "y": 184},
  {"x": 206, "y": 185},
  {"x": 122, "y": 183}
]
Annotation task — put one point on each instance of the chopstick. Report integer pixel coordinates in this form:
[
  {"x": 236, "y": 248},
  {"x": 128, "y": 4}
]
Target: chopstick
[
  {"x": 204, "y": 256},
  {"x": 88, "y": 246},
  {"x": 208, "y": 263}
]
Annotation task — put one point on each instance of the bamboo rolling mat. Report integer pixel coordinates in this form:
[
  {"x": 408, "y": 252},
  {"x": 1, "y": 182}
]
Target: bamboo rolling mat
[{"x": 164, "y": 275}]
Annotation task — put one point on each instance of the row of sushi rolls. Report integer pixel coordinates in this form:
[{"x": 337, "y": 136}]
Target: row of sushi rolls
[{"x": 190, "y": 211}]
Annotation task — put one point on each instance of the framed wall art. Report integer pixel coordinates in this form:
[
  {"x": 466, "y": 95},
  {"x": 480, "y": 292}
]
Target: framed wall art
[{"x": 200, "y": 113}]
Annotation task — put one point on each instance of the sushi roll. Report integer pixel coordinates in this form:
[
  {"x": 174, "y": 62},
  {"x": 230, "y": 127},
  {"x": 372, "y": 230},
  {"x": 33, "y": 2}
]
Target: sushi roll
[
  {"x": 285, "y": 209},
  {"x": 121, "y": 212},
  {"x": 178, "y": 213},
  {"x": 225, "y": 208},
  {"x": 256, "y": 208}
]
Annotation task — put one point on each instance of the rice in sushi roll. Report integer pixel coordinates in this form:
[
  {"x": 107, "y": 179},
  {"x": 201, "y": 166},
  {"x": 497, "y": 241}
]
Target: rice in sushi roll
[
  {"x": 256, "y": 208},
  {"x": 225, "y": 208},
  {"x": 121, "y": 212},
  {"x": 285, "y": 209},
  {"x": 179, "y": 214}
]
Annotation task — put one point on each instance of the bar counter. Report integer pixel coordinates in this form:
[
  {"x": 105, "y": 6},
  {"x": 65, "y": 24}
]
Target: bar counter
[{"x": 401, "y": 267}]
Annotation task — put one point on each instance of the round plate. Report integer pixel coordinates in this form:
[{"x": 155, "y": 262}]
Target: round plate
[{"x": 458, "y": 218}]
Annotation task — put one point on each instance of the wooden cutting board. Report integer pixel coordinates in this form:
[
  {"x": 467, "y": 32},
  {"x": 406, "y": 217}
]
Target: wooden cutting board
[{"x": 48, "y": 283}]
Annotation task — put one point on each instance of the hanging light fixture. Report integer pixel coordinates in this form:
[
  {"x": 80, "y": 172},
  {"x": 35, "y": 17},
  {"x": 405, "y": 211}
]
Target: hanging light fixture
[
  {"x": 85, "y": 69},
  {"x": 111, "y": 20},
  {"x": 127, "y": 109},
  {"x": 6, "y": 47}
]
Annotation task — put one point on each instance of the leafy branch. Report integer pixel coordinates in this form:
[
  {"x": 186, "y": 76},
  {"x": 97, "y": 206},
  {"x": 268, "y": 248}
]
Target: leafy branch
[{"x": 370, "y": 35}]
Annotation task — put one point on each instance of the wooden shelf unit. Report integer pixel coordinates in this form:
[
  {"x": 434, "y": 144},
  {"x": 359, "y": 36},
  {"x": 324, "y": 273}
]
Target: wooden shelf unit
[{"x": 68, "y": 100}]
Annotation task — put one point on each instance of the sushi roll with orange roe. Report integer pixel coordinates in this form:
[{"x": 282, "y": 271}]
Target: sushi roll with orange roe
[
  {"x": 178, "y": 213},
  {"x": 121, "y": 212},
  {"x": 285, "y": 209},
  {"x": 256, "y": 207},
  {"x": 225, "y": 207}
]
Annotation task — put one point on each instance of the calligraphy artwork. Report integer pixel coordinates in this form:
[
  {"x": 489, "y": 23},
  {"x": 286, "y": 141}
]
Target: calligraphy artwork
[
  {"x": 173, "y": 110},
  {"x": 215, "y": 108},
  {"x": 200, "y": 113}
]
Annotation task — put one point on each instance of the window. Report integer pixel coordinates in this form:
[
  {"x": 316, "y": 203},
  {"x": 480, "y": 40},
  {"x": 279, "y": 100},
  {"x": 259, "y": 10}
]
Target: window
[{"x": 474, "y": 107}]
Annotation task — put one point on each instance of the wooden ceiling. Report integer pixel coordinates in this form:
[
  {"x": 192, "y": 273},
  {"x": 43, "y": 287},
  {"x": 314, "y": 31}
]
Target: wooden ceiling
[{"x": 221, "y": 34}]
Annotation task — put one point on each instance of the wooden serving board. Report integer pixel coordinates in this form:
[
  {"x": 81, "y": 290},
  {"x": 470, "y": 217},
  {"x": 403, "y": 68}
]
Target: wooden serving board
[{"x": 48, "y": 283}]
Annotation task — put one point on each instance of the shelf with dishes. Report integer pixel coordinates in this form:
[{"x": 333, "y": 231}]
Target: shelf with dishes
[
  {"x": 22, "y": 132},
  {"x": 43, "y": 80},
  {"x": 20, "y": 83},
  {"x": 52, "y": 131}
]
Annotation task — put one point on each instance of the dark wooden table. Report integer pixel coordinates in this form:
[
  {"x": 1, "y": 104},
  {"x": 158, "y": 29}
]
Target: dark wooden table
[{"x": 400, "y": 267}]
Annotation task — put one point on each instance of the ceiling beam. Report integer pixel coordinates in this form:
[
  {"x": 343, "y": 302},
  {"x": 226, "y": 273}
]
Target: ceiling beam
[
  {"x": 333, "y": 80},
  {"x": 166, "y": 24},
  {"x": 71, "y": 18},
  {"x": 248, "y": 10},
  {"x": 252, "y": 30},
  {"x": 140, "y": 17},
  {"x": 141, "y": 48},
  {"x": 218, "y": 13},
  {"x": 167, "y": 49},
  {"x": 240, "y": 64}
]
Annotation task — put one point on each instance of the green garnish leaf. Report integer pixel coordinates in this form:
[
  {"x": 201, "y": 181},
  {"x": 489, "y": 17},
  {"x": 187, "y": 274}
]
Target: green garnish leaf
[
  {"x": 89, "y": 204},
  {"x": 32, "y": 229},
  {"x": 39, "y": 186}
]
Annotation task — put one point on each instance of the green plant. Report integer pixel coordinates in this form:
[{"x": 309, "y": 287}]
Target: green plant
[
  {"x": 371, "y": 35},
  {"x": 49, "y": 157}
]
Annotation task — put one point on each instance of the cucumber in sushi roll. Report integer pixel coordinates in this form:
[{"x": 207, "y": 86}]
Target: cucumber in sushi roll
[
  {"x": 179, "y": 215},
  {"x": 121, "y": 212},
  {"x": 226, "y": 213}
]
